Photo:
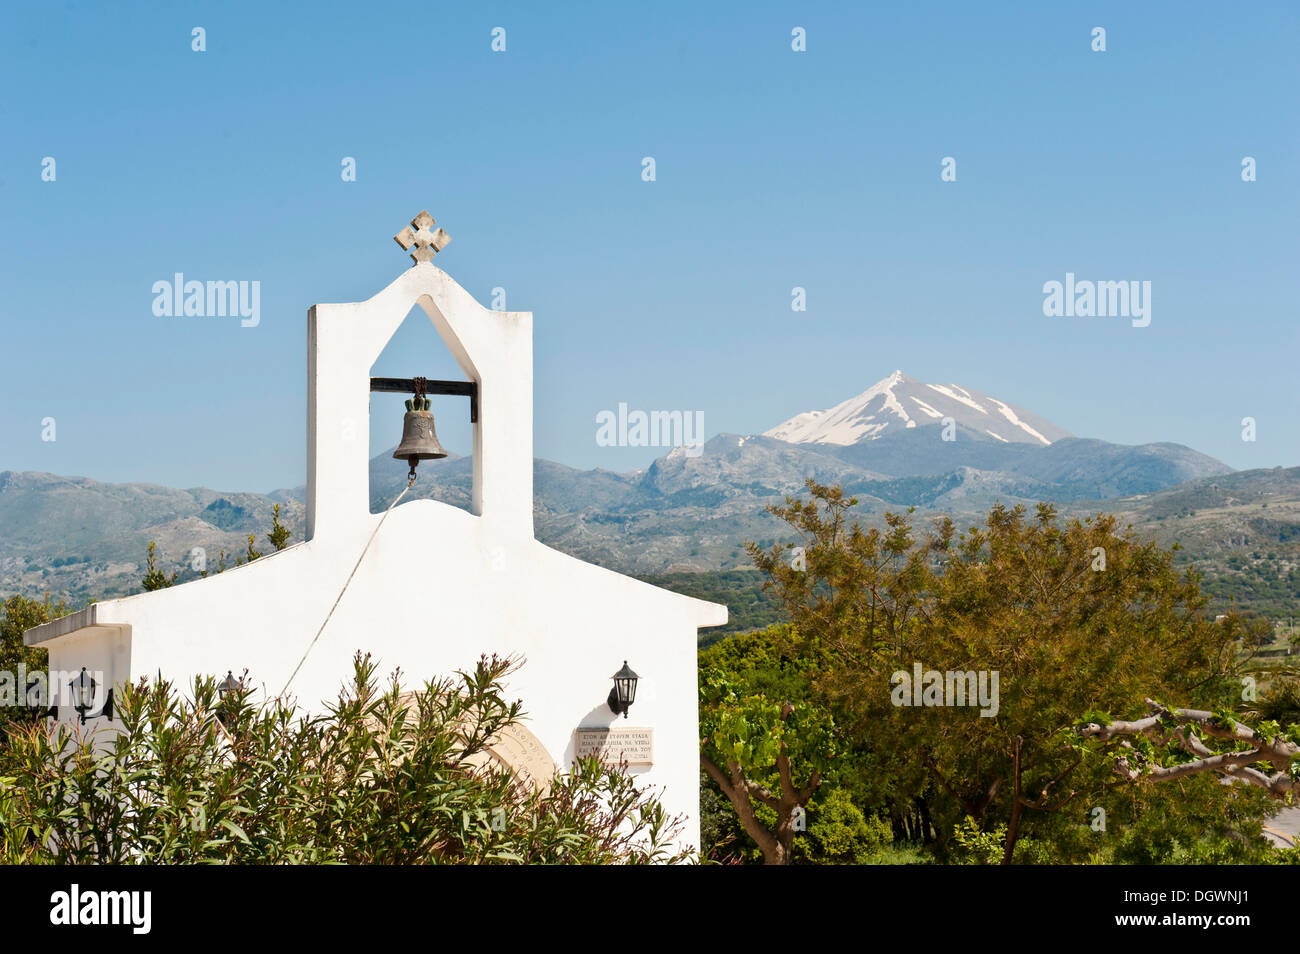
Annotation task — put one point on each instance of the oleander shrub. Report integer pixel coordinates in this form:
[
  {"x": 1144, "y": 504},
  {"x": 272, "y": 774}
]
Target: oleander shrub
[{"x": 383, "y": 776}]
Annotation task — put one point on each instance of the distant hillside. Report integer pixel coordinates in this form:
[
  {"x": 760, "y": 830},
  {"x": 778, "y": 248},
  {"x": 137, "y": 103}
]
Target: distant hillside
[
  {"x": 80, "y": 538},
  {"x": 684, "y": 514},
  {"x": 1241, "y": 530}
]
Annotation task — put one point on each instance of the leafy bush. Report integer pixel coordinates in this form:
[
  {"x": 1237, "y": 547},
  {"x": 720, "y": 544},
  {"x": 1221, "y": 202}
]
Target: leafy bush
[
  {"x": 382, "y": 778},
  {"x": 975, "y": 847},
  {"x": 839, "y": 834}
]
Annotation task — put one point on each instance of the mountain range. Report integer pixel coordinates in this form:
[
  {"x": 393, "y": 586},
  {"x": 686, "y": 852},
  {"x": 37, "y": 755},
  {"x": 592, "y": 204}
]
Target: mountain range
[{"x": 899, "y": 444}]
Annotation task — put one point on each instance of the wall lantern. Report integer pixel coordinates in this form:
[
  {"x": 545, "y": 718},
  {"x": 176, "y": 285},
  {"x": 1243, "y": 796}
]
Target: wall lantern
[
  {"x": 229, "y": 684},
  {"x": 83, "y": 696},
  {"x": 623, "y": 694},
  {"x": 227, "y": 687}
]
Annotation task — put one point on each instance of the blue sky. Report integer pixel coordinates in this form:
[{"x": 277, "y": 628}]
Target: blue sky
[{"x": 774, "y": 169}]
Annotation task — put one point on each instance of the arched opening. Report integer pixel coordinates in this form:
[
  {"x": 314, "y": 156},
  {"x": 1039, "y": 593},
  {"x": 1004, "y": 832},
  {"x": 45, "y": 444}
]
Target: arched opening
[{"x": 417, "y": 349}]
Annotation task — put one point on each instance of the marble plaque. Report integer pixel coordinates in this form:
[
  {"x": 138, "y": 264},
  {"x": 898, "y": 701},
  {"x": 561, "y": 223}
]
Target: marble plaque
[{"x": 634, "y": 745}]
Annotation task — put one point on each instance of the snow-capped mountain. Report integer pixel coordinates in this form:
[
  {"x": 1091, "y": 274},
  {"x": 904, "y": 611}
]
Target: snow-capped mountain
[{"x": 899, "y": 402}]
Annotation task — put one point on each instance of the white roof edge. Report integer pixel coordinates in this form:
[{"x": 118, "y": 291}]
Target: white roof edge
[
  {"x": 709, "y": 614},
  {"x": 62, "y": 626},
  {"x": 706, "y": 613},
  {"x": 420, "y": 271}
]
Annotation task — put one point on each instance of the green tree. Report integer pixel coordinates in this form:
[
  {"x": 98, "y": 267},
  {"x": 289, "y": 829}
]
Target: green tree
[
  {"x": 280, "y": 534},
  {"x": 18, "y": 614},
  {"x": 1072, "y": 618},
  {"x": 766, "y": 751},
  {"x": 154, "y": 578},
  {"x": 251, "y": 554}
]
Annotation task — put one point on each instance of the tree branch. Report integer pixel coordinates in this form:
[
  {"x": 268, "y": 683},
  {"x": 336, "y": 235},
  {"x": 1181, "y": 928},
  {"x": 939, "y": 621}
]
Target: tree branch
[{"x": 1236, "y": 763}]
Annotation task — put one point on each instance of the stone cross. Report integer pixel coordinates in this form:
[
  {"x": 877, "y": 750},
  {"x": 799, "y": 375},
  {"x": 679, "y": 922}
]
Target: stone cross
[{"x": 427, "y": 244}]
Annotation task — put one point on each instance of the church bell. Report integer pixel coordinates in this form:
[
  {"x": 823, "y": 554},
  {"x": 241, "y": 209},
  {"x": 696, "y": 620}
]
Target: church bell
[{"x": 419, "y": 439}]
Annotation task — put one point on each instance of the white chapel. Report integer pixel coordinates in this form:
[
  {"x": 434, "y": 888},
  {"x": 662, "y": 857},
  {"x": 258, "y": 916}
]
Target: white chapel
[{"x": 427, "y": 587}]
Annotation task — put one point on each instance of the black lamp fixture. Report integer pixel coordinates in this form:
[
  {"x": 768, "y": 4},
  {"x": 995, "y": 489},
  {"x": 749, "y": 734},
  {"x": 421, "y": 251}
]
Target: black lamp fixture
[
  {"x": 228, "y": 686},
  {"x": 623, "y": 694},
  {"x": 83, "y": 696}
]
